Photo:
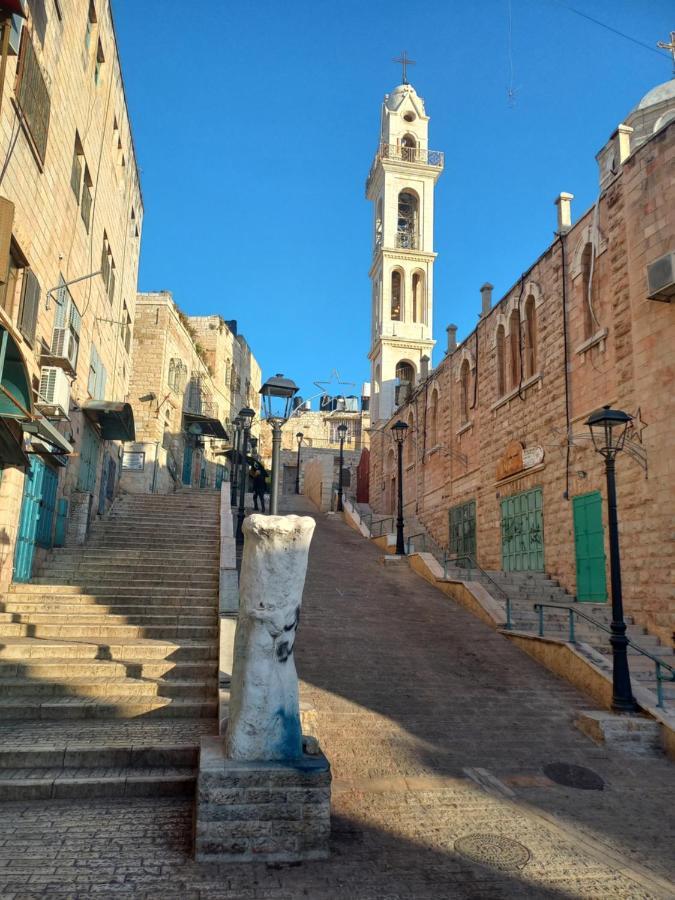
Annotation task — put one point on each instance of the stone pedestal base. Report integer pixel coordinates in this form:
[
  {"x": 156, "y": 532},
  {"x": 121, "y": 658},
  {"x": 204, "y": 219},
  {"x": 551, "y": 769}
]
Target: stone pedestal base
[
  {"x": 633, "y": 734},
  {"x": 269, "y": 811}
]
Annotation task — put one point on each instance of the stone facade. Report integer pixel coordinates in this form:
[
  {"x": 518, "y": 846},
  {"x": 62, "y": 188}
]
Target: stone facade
[
  {"x": 498, "y": 454},
  {"x": 184, "y": 365},
  {"x": 71, "y": 189}
]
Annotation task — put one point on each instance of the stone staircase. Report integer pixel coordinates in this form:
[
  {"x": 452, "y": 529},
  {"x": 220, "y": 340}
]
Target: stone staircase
[
  {"x": 109, "y": 658},
  {"x": 524, "y": 589}
]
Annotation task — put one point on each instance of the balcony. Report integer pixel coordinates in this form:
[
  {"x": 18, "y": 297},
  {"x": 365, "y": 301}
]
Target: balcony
[{"x": 415, "y": 156}]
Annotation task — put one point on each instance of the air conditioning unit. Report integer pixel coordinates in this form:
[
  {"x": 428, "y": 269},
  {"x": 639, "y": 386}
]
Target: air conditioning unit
[
  {"x": 64, "y": 346},
  {"x": 54, "y": 389},
  {"x": 661, "y": 278}
]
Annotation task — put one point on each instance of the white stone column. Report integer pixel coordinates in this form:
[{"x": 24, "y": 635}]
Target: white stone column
[{"x": 264, "y": 720}]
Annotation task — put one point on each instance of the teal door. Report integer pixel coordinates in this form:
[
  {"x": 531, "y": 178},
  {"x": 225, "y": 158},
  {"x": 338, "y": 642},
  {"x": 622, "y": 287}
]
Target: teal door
[
  {"x": 187, "y": 465},
  {"x": 89, "y": 452},
  {"x": 37, "y": 516},
  {"x": 220, "y": 475},
  {"x": 589, "y": 548},
  {"x": 463, "y": 531},
  {"x": 523, "y": 532}
]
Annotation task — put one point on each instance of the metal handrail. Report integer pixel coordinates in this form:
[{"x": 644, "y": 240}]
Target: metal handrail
[
  {"x": 572, "y": 612},
  {"x": 474, "y": 565},
  {"x": 380, "y": 524}
]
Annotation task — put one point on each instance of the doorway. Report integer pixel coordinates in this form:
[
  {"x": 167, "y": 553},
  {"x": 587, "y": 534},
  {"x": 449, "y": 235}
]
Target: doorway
[
  {"x": 36, "y": 518},
  {"x": 589, "y": 548},
  {"x": 523, "y": 532}
]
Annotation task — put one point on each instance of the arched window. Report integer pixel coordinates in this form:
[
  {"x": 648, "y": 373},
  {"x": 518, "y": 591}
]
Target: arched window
[
  {"x": 379, "y": 225},
  {"x": 530, "y": 337},
  {"x": 418, "y": 297},
  {"x": 396, "y": 295},
  {"x": 501, "y": 361},
  {"x": 514, "y": 340},
  {"x": 408, "y": 148},
  {"x": 588, "y": 292},
  {"x": 405, "y": 376},
  {"x": 432, "y": 418},
  {"x": 406, "y": 231},
  {"x": 464, "y": 376},
  {"x": 172, "y": 374}
]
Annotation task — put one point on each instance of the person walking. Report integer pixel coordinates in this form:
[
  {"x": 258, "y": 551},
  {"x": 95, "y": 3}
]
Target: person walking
[{"x": 258, "y": 479}]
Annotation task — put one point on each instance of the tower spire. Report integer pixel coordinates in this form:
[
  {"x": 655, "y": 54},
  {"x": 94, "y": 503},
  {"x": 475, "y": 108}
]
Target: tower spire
[{"x": 405, "y": 61}]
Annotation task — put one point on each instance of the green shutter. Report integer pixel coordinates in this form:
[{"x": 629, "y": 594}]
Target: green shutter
[{"x": 30, "y": 303}]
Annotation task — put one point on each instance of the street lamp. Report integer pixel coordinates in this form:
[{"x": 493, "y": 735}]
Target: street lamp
[
  {"x": 246, "y": 416},
  {"x": 235, "y": 460},
  {"x": 608, "y": 431},
  {"x": 342, "y": 431},
  {"x": 277, "y": 397},
  {"x": 399, "y": 431},
  {"x": 299, "y": 436}
]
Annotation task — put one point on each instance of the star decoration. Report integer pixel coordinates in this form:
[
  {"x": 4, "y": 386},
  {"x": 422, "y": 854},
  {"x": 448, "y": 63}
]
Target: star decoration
[{"x": 637, "y": 426}]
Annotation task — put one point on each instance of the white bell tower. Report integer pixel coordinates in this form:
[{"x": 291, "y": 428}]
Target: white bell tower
[{"x": 401, "y": 186}]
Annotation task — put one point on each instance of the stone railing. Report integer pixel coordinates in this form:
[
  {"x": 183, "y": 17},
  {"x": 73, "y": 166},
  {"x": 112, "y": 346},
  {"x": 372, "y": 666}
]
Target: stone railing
[{"x": 228, "y": 605}]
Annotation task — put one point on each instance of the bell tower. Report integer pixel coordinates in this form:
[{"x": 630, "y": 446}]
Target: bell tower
[{"x": 401, "y": 187}]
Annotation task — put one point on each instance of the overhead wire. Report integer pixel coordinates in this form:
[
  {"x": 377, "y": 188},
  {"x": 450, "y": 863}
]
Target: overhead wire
[{"x": 616, "y": 31}]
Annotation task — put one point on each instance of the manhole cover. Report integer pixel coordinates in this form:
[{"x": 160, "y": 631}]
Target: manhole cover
[
  {"x": 574, "y": 776},
  {"x": 493, "y": 850}
]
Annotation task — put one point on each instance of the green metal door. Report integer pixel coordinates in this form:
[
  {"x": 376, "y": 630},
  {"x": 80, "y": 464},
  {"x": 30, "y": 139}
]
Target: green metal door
[
  {"x": 463, "y": 530},
  {"x": 36, "y": 518},
  {"x": 523, "y": 532},
  {"x": 589, "y": 548},
  {"x": 89, "y": 451}
]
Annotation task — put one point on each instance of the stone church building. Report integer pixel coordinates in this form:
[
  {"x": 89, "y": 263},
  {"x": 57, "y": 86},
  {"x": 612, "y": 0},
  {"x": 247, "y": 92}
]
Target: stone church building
[{"x": 498, "y": 461}]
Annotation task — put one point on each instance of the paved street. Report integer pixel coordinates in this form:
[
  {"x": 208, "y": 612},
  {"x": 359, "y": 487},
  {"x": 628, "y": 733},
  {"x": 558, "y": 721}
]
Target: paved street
[{"x": 438, "y": 731}]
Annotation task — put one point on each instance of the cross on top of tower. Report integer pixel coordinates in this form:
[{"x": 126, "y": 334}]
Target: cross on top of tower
[
  {"x": 405, "y": 61},
  {"x": 671, "y": 46}
]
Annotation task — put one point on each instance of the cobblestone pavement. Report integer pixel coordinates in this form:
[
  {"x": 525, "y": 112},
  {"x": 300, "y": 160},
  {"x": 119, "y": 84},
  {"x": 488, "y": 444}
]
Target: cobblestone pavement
[{"x": 437, "y": 730}]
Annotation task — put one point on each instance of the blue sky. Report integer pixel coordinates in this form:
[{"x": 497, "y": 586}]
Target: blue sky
[{"x": 255, "y": 125}]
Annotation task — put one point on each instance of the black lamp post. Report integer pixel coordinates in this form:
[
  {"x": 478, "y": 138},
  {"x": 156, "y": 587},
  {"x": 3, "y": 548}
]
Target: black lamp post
[
  {"x": 299, "y": 436},
  {"x": 342, "y": 431},
  {"x": 399, "y": 431},
  {"x": 608, "y": 430},
  {"x": 277, "y": 396},
  {"x": 246, "y": 415},
  {"x": 235, "y": 460}
]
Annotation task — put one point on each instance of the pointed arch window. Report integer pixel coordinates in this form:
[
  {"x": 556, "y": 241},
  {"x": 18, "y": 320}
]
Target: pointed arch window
[
  {"x": 501, "y": 361},
  {"x": 396, "y": 295},
  {"x": 530, "y": 337},
  {"x": 464, "y": 377},
  {"x": 514, "y": 340},
  {"x": 408, "y": 210},
  {"x": 587, "y": 289},
  {"x": 433, "y": 419}
]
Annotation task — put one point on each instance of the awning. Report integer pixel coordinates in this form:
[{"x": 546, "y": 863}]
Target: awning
[
  {"x": 116, "y": 419},
  {"x": 44, "y": 430},
  {"x": 16, "y": 396},
  {"x": 204, "y": 426},
  {"x": 11, "y": 451}
]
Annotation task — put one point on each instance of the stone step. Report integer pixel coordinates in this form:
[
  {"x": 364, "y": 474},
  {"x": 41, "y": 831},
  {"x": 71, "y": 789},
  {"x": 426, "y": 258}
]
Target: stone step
[
  {"x": 33, "y": 690},
  {"x": 110, "y": 582},
  {"x": 90, "y": 632},
  {"x": 111, "y": 707},
  {"x": 61, "y": 784},
  {"x": 90, "y": 605},
  {"x": 131, "y": 591},
  {"x": 102, "y": 566},
  {"x": 89, "y": 616},
  {"x": 53, "y": 669},
  {"x": 141, "y": 650},
  {"x": 123, "y": 555},
  {"x": 17, "y": 754},
  {"x": 154, "y": 543}
]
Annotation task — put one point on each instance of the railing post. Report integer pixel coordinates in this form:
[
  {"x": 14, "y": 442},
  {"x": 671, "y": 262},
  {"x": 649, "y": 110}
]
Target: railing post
[
  {"x": 541, "y": 621},
  {"x": 572, "y": 637},
  {"x": 659, "y": 686},
  {"x": 445, "y": 567},
  {"x": 509, "y": 623}
]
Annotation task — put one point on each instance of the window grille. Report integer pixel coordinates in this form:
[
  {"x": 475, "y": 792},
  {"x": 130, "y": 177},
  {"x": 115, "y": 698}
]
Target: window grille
[{"x": 32, "y": 96}]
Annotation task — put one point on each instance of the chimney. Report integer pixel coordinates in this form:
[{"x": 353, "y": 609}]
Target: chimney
[
  {"x": 486, "y": 299},
  {"x": 623, "y": 140},
  {"x": 564, "y": 203},
  {"x": 452, "y": 338},
  {"x": 424, "y": 368}
]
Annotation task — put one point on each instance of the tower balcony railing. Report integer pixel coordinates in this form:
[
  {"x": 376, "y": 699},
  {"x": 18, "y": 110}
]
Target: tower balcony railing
[{"x": 418, "y": 156}]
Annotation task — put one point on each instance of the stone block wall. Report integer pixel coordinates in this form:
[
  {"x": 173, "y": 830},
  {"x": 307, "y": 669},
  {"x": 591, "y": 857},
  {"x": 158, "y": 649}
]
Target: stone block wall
[{"x": 318, "y": 481}]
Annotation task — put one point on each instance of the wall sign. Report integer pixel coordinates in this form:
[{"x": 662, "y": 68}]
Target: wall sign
[
  {"x": 133, "y": 460},
  {"x": 517, "y": 458}
]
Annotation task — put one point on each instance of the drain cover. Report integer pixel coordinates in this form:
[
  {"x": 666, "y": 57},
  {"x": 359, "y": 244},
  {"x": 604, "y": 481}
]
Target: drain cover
[
  {"x": 574, "y": 776},
  {"x": 493, "y": 850}
]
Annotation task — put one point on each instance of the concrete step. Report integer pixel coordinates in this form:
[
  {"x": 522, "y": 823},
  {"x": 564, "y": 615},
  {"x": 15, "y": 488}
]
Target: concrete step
[
  {"x": 33, "y": 690},
  {"x": 53, "y": 669},
  {"x": 92, "y": 632},
  {"x": 140, "y": 650},
  {"x": 111, "y": 707},
  {"x": 66, "y": 784}
]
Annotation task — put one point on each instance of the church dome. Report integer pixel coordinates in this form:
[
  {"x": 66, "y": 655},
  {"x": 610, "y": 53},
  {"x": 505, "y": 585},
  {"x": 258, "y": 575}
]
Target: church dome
[
  {"x": 659, "y": 94},
  {"x": 399, "y": 92}
]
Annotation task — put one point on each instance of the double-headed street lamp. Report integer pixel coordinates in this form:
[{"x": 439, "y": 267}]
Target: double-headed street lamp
[
  {"x": 235, "y": 459},
  {"x": 342, "y": 431},
  {"x": 608, "y": 430},
  {"x": 399, "y": 431},
  {"x": 246, "y": 416},
  {"x": 277, "y": 397},
  {"x": 299, "y": 436}
]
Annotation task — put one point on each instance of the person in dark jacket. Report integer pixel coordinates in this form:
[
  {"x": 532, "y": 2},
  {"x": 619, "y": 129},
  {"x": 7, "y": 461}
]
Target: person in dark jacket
[{"x": 258, "y": 478}]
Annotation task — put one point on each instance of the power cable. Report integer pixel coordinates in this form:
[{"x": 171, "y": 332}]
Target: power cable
[{"x": 616, "y": 31}]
